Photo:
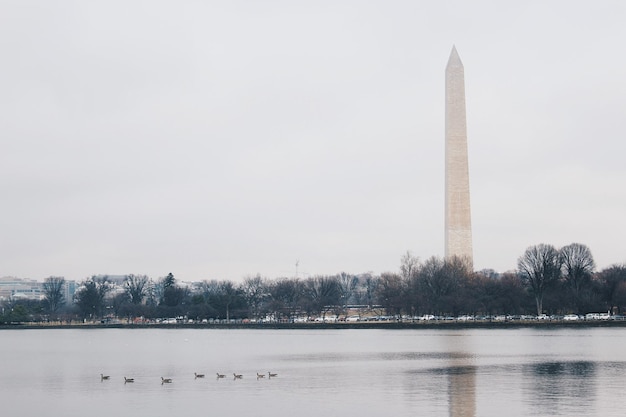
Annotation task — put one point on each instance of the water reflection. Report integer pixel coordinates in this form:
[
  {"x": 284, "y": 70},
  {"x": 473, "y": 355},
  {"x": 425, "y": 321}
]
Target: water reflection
[
  {"x": 462, "y": 380},
  {"x": 457, "y": 377},
  {"x": 518, "y": 373},
  {"x": 462, "y": 390},
  {"x": 561, "y": 387}
]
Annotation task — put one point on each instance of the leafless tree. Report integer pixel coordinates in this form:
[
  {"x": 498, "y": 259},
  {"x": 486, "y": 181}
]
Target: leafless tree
[
  {"x": 136, "y": 287},
  {"x": 458, "y": 273},
  {"x": 229, "y": 293},
  {"x": 254, "y": 291},
  {"x": 578, "y": 264},
  {"x": 392, "y": 293},
  {"x": 347, "y": 285},
  {"x": 409, "y": 266},
  {"x": 322, "y": 293},
  {"x": 539, "y": 268},
  {"x": 224, "y": 297},
  {"x": 53, "y": 288},
  {"x": 577, "y": 268},
  {"x": 286, "y": 296},
  {"x": 613, "y": 286},
  {"x": 371, "y": 286},
  {"x": 432, "y": 284},
  {"x": 209, "y": 288},
  {"x": 440, "y": 282}
]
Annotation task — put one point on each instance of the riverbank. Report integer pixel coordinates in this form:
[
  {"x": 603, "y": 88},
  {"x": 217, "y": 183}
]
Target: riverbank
[{"x": 443, "y": 325}]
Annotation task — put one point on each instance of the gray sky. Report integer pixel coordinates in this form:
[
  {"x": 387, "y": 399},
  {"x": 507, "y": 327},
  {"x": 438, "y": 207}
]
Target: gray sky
[{"x": 217, "y": 140}]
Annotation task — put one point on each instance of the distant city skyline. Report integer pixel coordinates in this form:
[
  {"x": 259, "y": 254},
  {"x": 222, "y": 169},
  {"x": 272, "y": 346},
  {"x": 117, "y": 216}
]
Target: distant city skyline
[{"x": 225, "y": 140}]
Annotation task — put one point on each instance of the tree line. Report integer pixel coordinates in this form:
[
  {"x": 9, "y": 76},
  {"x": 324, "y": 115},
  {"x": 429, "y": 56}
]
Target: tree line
[{"x": 547, "y": 281}]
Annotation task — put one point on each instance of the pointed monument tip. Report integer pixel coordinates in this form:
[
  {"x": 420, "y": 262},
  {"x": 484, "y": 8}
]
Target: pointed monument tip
[{"x": 454, "y": 57}]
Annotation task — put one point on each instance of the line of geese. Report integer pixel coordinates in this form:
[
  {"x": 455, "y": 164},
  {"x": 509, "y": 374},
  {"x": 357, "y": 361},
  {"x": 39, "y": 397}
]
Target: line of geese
[{"x": 270, "y": 375}]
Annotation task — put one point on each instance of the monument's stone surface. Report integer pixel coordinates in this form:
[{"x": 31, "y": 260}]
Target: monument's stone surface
[{"x": 458, "y": 222}]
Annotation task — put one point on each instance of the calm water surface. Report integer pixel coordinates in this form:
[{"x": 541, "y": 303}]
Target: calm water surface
[{"x": 359, "y": 372}]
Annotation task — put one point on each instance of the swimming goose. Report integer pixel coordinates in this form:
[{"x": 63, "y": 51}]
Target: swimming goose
[
  {"x": 198, "y": 375},
  {"x": 103, "y": 377},
  {"x": 258, "y": 375},
  {"x": 271, "y": 375},
  {"x": 220, "y": 375},
  {"x": 166, "y": 380},
  {"x": 129, "y": 380},
  {"x": 237, "y": 376}
]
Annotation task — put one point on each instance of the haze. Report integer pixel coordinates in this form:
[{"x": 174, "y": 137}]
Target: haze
[{"x": 217, "y": 140}]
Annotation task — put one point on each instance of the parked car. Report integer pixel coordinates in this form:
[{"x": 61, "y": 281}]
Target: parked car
[
  {"x": 330, "y": 319},
  {"x": 570, "y": 317}
]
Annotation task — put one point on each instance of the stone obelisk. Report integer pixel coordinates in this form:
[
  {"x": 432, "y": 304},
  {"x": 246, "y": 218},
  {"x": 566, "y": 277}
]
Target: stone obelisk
[{"x": 458, "y": 222}]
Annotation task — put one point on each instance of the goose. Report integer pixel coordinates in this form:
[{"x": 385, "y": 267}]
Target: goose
[
  {"x": 166, "y": 380},
  {"x": 220, "y": 375},
  {"x": 258, "y": 375},
  {"x": 129, "y": 380},
  {"x": 271, "y": 375},
  {"x": 103, "y": 377},
  {"x": 237, "y": 376},
  {"x": 198, "y": 375}
]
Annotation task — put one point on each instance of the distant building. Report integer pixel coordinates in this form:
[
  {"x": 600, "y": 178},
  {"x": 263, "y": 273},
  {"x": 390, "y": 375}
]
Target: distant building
[
  {"x": 116, "y": 282},
  {"x": 30, "y": 289},
  {"x": 69, "y": 291},
  {"x": 114, "y": 279},
  {"x": 20, "y": 288}
]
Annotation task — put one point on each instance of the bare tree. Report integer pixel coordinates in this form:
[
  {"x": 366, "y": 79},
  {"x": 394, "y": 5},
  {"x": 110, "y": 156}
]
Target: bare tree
[
  {"x": 392, "y": 293},
  {"x": 53, "y": 293},
  {"x": 578, "y": 266},
  {"x": 322, "y": 293},
  {"x": 441, "y": 282},
  {"x": 210, "y": 295},
  {"x": 539, "y": 268},
  {"x": 229, "y": 294},
  {"x": 223, "y": 297},
  {"x": 209, "y": 288},
  {"x": 371, "y": 286},
  {"x": 498, "y": 294},
  {"x": 254, "y": 292},
  {"x": 409, "y": 266},
  {"x": 347, "y": 284},
  {"x": 458, "y": 273},
  {"x": 613, "y": 283},
  {"x": 286, "y": 296},
  {"x": 136, "y": 287},
  {"x": 433, "y": 284}
]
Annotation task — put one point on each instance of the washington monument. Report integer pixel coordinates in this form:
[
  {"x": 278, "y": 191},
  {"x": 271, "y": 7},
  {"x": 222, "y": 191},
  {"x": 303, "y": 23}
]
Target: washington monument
[{"x": 458, "y": 222}]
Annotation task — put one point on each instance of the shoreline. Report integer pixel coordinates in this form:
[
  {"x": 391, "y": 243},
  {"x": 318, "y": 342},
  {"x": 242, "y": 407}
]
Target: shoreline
[{"x": 330, "y": 326}]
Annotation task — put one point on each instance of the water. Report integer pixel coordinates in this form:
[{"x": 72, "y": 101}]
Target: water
[{"x": 357, "y": 372}]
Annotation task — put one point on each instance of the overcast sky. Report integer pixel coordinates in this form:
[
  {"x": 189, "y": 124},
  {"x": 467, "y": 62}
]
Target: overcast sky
[{"x": 218, "y": 140}]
